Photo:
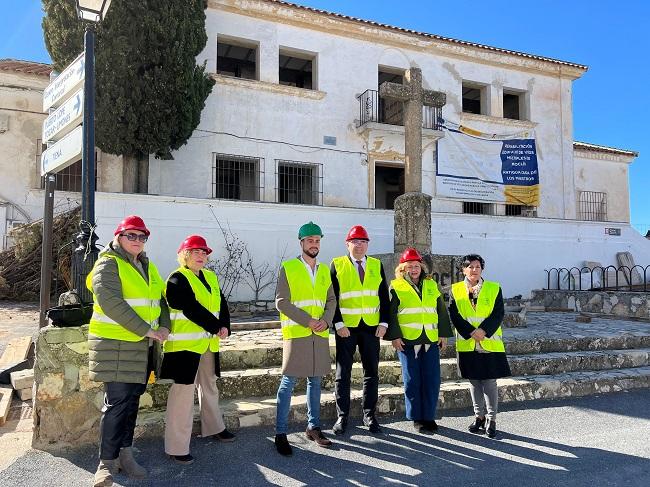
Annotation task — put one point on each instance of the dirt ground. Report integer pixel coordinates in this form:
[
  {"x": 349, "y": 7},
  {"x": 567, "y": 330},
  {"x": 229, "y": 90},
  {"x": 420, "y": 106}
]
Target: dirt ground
[{"x": 16, "y": 319}]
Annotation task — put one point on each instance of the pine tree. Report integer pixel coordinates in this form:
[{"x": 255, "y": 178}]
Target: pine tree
[{"x": 149, "y": 90}]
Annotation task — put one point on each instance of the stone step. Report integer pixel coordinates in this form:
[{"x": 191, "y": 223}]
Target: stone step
[
  {"x": 240, "y": 355},
  {"x": 264, "y": 381},
  {"x": 239, "y": 413}
]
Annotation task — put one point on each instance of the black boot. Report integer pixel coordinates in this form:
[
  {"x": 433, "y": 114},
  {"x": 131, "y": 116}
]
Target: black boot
[
  {"x": 477, "y": 425},
  {"x": 282, "y": 445},
  {"x": 491, "y": 429}
]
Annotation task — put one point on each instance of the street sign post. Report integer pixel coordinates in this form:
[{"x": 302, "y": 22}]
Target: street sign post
[
  {"x": 67, "y": 82},
  {"x": 64, "y": 119},
  {"x": 64, "y": 153}
]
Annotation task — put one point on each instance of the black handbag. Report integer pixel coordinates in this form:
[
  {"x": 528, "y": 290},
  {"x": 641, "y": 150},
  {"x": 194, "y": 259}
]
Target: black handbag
[{"x": 70, "y": 314}]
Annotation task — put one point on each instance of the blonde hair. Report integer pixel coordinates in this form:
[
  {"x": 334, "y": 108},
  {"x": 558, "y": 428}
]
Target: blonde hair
[
  {"x": 400, "y": 270},
  {"x": 183, "y": 255}
]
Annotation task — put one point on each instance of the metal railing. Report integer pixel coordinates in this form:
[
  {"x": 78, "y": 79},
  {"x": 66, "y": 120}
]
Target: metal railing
[
  {"x": 598, "y": 278},
  {"x": 374, "y": 108}
]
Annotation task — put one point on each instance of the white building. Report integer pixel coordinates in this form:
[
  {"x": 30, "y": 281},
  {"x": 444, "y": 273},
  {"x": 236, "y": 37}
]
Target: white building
[{"x": 294, "y": 131}]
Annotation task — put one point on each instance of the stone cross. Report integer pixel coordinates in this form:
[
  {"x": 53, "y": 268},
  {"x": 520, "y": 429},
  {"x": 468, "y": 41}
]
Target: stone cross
[{"x": 414, "y": 98}]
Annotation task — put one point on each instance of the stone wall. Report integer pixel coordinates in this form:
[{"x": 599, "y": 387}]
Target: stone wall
[
  {"x": 67, "y": 405},
  {"x": 252, "y": 307},
  {"x": 617, "y": 303}
]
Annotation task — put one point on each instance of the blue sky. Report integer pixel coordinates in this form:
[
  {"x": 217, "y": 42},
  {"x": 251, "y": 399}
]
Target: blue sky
[{"x": 610, "y": 103}]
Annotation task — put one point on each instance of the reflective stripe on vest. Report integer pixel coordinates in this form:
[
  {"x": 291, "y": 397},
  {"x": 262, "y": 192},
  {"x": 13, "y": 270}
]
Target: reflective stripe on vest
[
  {"x": 415, "y": 314},
  {"x": 185, "y": 334},
  {"x": 308, "y": 296},
  {"x": 484, "y": 307},
  {"x": 358, "y": 300},
  {"x": 143, "y": 297}
]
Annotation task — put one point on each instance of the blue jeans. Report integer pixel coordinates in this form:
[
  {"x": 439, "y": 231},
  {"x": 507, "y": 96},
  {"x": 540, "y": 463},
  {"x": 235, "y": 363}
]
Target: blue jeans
[
  {"x": 284, "y": 403},
  {"x": 421, "y": 377}
]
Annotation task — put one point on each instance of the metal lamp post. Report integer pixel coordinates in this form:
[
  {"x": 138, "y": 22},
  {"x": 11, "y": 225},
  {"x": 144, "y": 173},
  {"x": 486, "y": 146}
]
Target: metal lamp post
[{"x": 85, "y": 253}]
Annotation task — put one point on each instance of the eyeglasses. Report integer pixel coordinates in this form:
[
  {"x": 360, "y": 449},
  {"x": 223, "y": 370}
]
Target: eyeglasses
[
  {"x": 356, "y": 241},
  {"x": 198, "y": 252},
  {"x": 132, "y": 237}
]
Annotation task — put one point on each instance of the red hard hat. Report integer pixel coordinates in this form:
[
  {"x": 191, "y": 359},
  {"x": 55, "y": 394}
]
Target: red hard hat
[
  {"x": 194, "y": 242},
  {"x": 132, "y": 222},
  {"x": 357, "y": 232},
  {"x": 410, "y": 254}
]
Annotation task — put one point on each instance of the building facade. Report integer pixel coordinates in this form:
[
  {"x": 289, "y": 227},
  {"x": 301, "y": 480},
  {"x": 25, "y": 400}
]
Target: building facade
[{"x": 295, "y": 130}]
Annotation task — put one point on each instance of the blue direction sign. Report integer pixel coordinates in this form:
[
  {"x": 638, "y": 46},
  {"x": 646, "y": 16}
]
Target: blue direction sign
[
  {"x": 65, "y": 118},
  {"x": 69, "y": 80},
  {"x": 64, "y": 153}
]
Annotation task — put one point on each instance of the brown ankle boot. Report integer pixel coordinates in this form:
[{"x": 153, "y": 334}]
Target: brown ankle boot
[
  {"x": 104, "y": 473},
  {"x": 129, "y": 465}
]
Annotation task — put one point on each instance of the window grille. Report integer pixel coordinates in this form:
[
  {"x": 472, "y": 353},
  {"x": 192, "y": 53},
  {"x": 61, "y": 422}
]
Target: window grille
[
  {"x": 592, "y": 206},
  {"x": 478, "y": 208},
  {"x": 299, "y": 182},
  {"x": 237, "y": 177}
]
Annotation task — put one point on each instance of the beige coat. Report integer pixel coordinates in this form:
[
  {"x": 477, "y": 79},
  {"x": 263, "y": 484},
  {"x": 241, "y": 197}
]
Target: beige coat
[{"x": 308, "y": 356}]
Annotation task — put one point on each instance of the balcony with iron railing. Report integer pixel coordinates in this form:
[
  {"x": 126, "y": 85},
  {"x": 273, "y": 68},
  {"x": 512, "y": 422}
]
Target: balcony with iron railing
[{"x": 374, "y": 108}]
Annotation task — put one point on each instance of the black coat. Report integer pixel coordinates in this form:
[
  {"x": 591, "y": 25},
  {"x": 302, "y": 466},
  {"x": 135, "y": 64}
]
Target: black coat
[
  {"x": 478, "y": 365},
  {"x": 182, "y": 366}
]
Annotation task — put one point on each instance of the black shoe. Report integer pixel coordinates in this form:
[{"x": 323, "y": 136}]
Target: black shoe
[
  {"x": 225, "y": 436},
  {"x": 477, "y": 425},
  {"x": 183, "y": 459},
  {"x": 431, "y": 426},
  {"x": 419, "y": 426},
  {"x": 372, "y": 424},
  {"x": 340, "y": 426},
  {"x": 491, "y": 429},
  {"x": 282, "y": 445}
]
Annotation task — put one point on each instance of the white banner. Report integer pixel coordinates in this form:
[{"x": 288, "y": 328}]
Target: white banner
[{"x": 473, "y": 166}]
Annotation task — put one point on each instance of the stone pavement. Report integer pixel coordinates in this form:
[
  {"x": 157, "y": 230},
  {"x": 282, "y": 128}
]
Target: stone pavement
[{"x": 575, "y": 442}]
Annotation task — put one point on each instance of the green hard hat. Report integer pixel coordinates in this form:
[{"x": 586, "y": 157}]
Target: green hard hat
[{"x": 309, "y": 230}]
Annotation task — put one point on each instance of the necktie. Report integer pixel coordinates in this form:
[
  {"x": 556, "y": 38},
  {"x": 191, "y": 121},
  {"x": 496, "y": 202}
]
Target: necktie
[{"x": 362, "y": 273}]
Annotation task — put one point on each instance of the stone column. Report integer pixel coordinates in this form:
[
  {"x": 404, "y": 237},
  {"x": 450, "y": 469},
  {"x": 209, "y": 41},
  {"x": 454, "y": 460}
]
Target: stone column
[
  {"x": 413, "y": 132},
  {"x": 413, "y": 222}
]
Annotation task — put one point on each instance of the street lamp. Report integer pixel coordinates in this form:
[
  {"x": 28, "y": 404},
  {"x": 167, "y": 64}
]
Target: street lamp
[
  {"x": 85, "y": 253},
  {"x": 92, "y": 10}
]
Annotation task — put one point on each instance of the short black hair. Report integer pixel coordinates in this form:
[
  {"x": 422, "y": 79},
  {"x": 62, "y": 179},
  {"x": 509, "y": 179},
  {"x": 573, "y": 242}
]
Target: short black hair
[{"x": 466, "y": 260}]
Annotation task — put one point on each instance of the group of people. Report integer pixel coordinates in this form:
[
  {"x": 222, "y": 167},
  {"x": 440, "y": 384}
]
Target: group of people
[{"x": 138, "y": 318}]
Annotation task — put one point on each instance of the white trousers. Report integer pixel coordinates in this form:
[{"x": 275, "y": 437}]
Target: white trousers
[{"x": 179, "y": 417}]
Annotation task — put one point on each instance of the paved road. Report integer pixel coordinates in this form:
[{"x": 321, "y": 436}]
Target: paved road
[{"x": 593, "y": 441}]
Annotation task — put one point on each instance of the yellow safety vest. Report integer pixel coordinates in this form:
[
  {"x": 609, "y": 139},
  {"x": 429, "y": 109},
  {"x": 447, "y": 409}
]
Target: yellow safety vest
[
  {"x": 416, "y": 314},
  {"x": 185, "y": 334},
  {"x": 484, "y": 306},
  {"x": 308, "y": 296},
  {"x": 143, "y": 297},
  {"x": 356, "y": 299}
]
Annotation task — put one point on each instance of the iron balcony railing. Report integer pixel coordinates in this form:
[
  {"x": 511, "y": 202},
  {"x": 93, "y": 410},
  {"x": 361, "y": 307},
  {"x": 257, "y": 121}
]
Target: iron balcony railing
[
  {"x": 622, "y": 278},
  {"x": 374, "y": 108}
]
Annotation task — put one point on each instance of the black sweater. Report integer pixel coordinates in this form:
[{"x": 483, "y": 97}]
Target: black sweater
[
  {"x": 181, "y": 366},
  {"x": 180, "y": 295},
  {"x": 489, "y": 324}
]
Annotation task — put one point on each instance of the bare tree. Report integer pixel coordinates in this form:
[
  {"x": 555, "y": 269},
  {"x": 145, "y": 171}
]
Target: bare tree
[
  {"x": 259, "y": 277},
  {"x": 229, "y": 267}
]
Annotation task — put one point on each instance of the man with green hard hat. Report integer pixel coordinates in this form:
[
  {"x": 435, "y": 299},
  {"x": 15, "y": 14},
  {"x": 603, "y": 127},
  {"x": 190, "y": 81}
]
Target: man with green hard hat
[{"x": 306, "y": 302}]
